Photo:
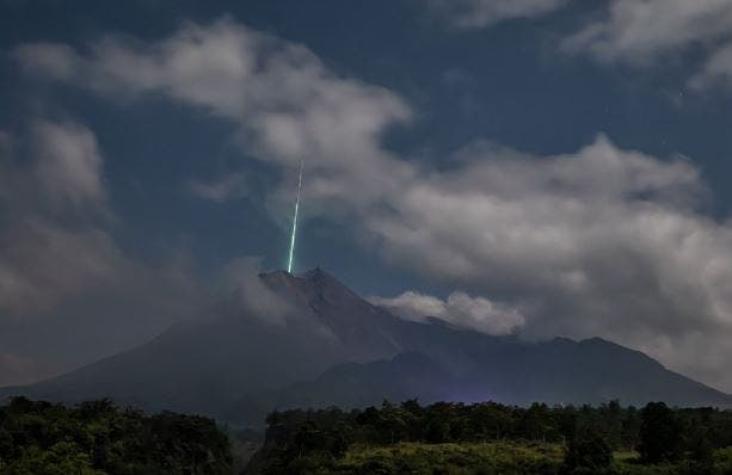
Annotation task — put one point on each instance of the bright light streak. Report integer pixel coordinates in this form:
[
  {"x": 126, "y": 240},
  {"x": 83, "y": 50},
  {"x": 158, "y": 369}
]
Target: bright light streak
[{"x": 294, "y": 222}]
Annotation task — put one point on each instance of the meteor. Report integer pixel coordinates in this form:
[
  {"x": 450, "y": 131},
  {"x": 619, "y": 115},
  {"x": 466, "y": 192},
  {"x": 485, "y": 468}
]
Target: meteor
[{"x": 294, "y": 222}]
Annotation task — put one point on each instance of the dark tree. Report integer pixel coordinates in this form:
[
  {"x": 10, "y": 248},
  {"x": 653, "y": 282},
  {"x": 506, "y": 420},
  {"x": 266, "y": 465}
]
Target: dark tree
[
  {"x": 588, "y": 453},
  {"x": 660, "y": 434}
]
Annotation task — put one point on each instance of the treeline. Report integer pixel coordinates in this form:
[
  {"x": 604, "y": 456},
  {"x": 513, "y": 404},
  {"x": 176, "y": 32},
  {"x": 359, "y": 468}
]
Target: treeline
[
  {"x": 41, "y": 438},
  {"x": 590, "y": 435}
]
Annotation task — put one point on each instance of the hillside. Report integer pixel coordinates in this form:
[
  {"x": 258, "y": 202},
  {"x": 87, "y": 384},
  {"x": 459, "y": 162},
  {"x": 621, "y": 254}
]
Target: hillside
[{"x": 333, "y": 347}]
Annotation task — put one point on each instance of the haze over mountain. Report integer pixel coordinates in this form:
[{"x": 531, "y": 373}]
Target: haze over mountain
[{"x": 326, "y": 345}]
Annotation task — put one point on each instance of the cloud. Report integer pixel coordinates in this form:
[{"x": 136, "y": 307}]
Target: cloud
[
  {"x": 484, "y": 13},
  {"x": 717, "y": 70},
  {"x": 643, "y": 33},
  {"x": 602, "y": 242},
  {"x": 639, "y": 31},
  {"x": 288, "y": 104},
  {"x": 68, "y": 165},
  {"x": 62, "y": 176},
  {"x": 42, "y": 258},
  {"x": 251, "y": 296},
  {"x": 224, "y": 189},
  {"x": 60, "y": 265},
  {"x": 250, "y": 293},
  {"x": 632, "y": 32},
  {"x": 460, "y": 309},
  {"x": 41, "y": 264},
  {"x": 598, "y": 242}
]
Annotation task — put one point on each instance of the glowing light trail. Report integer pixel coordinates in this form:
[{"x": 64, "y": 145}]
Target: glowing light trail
[{"x": 294, "y": 222}]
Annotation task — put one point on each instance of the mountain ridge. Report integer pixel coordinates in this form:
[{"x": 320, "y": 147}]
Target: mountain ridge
[{"x": 335, "y": 345}]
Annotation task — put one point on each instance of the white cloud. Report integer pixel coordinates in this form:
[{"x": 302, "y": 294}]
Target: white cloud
[
  {"x": 599, "y": 242},
  {"x": 62, "y": 176},
  {"x": 68, "y": 163},
  {"x": 717, "y": 70},
  {"x": 641, "y": 30},
  {"x": 643, "y": 33},
  {"x": 483, "y": 13},
  {"x": 460, "y": 309}
]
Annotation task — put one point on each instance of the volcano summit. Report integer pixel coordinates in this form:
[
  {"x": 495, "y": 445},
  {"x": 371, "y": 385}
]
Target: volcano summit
[{"x": 327, "y": 345}]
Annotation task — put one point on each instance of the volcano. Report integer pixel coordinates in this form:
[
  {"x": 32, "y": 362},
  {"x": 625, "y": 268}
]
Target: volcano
[{"x": 329, "y": 346}]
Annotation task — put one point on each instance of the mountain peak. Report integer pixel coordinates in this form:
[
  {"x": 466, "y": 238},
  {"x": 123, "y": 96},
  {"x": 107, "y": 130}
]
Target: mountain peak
[
  {"x": 316, "y": 274},
  {"x": 318, "y": 277},
  {"x": 314, "y": 280},
  {"x": 312, "y": 274},
  {"x": 363, "y": 328}
]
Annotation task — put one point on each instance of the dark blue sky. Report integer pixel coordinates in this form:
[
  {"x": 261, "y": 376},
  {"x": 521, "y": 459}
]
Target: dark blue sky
[
  {"x": 509, "y": 82},
  {"x": 506, "y": 84}
]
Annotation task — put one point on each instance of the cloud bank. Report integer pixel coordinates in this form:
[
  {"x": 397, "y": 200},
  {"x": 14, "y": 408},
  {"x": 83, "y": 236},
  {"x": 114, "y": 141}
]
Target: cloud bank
[
  {"x": 599, "y": 242},
  {"x": 459, "y": 308}
]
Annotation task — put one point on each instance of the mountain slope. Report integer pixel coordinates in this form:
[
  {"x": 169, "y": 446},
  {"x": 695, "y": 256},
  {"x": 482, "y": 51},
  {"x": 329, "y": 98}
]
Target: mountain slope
[{"x": 333, "y": 347}]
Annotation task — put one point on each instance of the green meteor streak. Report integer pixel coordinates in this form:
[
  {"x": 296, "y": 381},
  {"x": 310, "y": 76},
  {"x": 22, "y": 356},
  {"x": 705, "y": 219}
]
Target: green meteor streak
[{"x": 294, "y": 222}]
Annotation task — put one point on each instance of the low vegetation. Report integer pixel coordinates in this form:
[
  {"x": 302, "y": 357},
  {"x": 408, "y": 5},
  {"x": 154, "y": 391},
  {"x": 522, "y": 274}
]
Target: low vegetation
[
  {"x": 490, "y": 438},
  {"x": 94, "y": 438}
]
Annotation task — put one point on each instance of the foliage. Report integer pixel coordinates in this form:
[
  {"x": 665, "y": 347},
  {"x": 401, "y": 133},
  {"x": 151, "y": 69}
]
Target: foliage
[
  {"x": 39, "y": 438},
  {"x": 467, "y": 458},
  {"x": 660, "y": 434},
  {"x": 588, "y": 453},
  {"x": 494, "y": 438}
]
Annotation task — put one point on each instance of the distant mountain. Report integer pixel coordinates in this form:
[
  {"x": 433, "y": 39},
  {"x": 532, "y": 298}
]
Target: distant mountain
[{"x": 333, "y": 347}]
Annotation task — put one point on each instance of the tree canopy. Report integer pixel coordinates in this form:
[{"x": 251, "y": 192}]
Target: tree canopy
[{"x": 40, "y": 438}]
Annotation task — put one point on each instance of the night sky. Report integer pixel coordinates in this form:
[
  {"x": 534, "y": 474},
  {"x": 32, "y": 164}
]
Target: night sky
[{"x": 533, "y": 167}]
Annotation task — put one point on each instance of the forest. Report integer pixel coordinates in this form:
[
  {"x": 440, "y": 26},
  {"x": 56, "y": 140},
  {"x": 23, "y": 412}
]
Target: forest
[
  {"x": 490, "y": 438},
  {"x": 96, "y": 437}
]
